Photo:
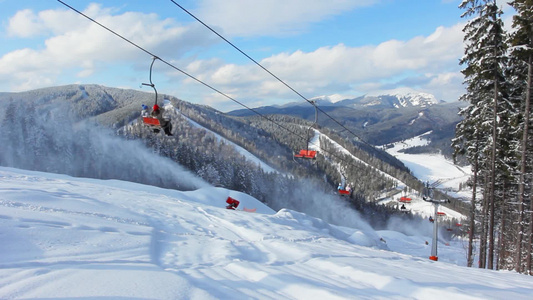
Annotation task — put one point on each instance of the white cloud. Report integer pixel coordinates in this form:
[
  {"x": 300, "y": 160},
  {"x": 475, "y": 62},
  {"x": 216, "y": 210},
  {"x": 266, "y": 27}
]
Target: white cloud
[
  {"x": 446, "y": 86},
  {"x": 24, "y": 24},
  {"x": 74, "y": 46},
  {"x": 76, "y": 43},
  {"x": 273, "y": 17},
  {"x": 429, "y": 62}
]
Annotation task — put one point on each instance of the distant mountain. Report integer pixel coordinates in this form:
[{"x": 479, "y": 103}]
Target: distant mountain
[
  {"x": 381, "y": 119},
  {"x": 391, "y": 101},
  {"x": 396, "y": 100}
]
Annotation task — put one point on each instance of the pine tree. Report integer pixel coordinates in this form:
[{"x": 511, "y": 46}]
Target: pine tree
[
  {"x": 485, "y": 58},
  {"x": 522, "y": 51}
]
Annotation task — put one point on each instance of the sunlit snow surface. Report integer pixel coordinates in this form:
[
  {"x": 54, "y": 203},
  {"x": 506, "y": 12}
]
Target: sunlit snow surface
[
  {"x": 65, "y": 237},
  {"x": 434, "y": 168}
]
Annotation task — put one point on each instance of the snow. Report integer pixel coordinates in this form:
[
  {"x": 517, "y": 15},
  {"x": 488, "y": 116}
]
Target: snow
[
  {"x": 247, "y": 155},
  {"x": 420, "y": 115},
  {"x": 314, "y": 144},
  {"x": 435, "y": 168},
  {"x": 416, "y": 99},
  {"x": 408, "y": 97},
  {"x": 66, "y": 237}
]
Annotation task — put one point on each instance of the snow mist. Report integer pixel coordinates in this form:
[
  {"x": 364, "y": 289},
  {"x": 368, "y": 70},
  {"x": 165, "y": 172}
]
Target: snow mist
[{"x": 51, "y": 140}]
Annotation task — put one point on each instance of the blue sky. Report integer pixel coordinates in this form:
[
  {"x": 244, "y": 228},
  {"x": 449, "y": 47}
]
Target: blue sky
[{"x": 336, "y": 48}]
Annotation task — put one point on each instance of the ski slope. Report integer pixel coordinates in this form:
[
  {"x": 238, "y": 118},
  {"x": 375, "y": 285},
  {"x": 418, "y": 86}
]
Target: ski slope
[
  {"x": 432, "y": 168},
  {"x": 66, "y": 237},
  {"x": 245, "y": 153},
  {"x": 314, "y": 144}
]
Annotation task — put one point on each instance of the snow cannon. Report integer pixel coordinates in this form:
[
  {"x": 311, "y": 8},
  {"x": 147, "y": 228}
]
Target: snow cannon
[{"x": 232, "y": 203}]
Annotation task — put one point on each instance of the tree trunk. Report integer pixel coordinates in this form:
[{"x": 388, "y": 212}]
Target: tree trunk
[
  {"x": 521, "y": 186},
  {"x": 524, "y": 154},
  {"x": 530, "y": 239},
  {"x": 502, "y": 249},
  {"x": 492, "y": 195},
  {"x": 484, "y": 226},
  {"x": 471, "y": 233}
]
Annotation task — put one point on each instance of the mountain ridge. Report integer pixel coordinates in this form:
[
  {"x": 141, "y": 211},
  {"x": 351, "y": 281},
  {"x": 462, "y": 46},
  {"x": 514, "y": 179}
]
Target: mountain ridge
[
  {"x": 199, "y": 151},
  {"x": 385, "y": 100},
  {"x": 386, "y": 121}
]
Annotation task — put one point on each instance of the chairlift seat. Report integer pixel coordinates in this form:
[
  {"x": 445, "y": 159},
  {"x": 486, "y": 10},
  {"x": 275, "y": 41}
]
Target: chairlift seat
[
  {"x": 306, "y": 154},
  {"x": 344, "y": 192},
  {"x": 405, "y": 200},
  {"x": 150, "y": 121}
]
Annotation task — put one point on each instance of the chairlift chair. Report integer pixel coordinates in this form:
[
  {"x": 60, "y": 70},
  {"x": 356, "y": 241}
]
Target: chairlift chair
[
  {"x": 405, "y": 199},
  {"x": 344, "y": 192},
  {"x": 150, "y": 121},
  {"x": 342, "y": 186},
  {"x": 305, "y": 153}
]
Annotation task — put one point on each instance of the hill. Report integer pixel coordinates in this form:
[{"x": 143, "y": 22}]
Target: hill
[
  {"x": 382, "y": 119},
  {"x": 66, "y": 237},
  {"x": 67, "y": 130}
]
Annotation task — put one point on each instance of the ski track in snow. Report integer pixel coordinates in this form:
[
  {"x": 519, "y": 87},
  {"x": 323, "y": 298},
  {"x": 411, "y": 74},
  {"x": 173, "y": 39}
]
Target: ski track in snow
[{"x": 65, "y": 237}]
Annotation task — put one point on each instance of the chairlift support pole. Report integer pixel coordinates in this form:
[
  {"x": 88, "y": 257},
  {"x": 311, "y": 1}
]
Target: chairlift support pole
[
  {"x": 434, "y": 255},
  {"x": 429, "y": 198}
]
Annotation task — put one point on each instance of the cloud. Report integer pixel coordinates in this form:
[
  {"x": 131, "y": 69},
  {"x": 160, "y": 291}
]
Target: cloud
[
  {"x": 74, "y": 49},
  {"x": 72, "y": 42},
  {"x": 273, "y": 17},
  {"x": 24, "y": 24},
  {"x": 429, "y": 61}
]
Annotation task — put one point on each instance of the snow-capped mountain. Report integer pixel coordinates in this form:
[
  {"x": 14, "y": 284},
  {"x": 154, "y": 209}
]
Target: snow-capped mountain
[
  {"x": 392, "y": 100},
  {"x": 397, "y": 99}
]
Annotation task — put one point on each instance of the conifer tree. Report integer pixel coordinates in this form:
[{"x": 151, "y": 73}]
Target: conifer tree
[
  {"x": 485, "y": 58},
  {"x": 522, "y": 50}
]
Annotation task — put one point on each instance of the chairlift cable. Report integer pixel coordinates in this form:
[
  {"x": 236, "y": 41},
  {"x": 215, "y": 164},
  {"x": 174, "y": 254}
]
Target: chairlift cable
[
  {"x": 178, "y": 69},
  {"x": 272, "y": 74},
  {"x": 211, "y": 87}
]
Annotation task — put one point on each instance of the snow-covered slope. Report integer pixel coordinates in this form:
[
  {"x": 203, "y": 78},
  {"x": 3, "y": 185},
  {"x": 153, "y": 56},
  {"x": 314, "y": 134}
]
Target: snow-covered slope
[
  {"x": 314, "y": 144},
  {"x": 65, "y": 237},
  {"x": 433, "y": 168},
  {"x": 415, "y": 99},
  {"x": 245, "y": 153}
]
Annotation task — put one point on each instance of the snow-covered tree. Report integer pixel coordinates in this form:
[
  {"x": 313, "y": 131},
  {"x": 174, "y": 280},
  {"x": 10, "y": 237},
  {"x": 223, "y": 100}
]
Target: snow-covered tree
[
  {"x": 485, "y": 60},
  {"x": 522, "y": 53}
]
